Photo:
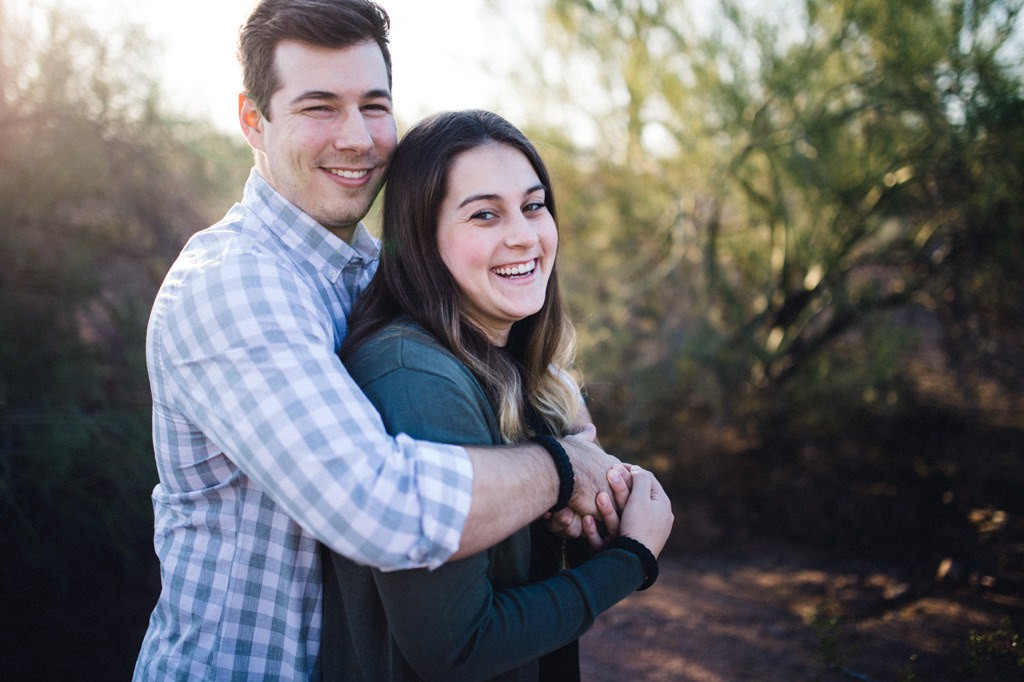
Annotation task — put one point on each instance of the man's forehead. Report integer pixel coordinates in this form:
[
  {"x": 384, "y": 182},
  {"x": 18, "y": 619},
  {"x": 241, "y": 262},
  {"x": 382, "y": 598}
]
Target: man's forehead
[{"x": 354, "y": 70}]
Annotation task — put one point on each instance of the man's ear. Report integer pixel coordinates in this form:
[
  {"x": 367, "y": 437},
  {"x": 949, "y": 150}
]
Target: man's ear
[{"x": 251, "y": 120}]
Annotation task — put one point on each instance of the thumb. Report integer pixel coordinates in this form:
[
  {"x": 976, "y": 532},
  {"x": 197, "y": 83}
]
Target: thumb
[
  {"x": 587, "y": 433},
  {"x": 642, "y": 483}
]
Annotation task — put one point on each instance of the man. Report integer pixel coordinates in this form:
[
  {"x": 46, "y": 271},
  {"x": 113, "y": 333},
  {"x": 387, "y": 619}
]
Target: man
[{"x": 263, "y": 443}]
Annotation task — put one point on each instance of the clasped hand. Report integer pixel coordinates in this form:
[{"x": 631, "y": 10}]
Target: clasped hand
[{"x": 637, "y": 507}]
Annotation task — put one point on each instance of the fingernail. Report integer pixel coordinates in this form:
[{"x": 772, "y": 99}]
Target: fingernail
[{"x": 614, "y": 476}]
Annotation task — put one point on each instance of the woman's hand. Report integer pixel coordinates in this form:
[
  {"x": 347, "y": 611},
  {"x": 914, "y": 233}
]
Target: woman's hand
[
  {"x": 647, "y": 516},
  {"x": 619, "y": 480}
]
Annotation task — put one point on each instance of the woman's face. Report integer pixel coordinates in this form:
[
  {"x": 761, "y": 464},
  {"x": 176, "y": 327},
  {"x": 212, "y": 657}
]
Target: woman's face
[{"x": 496, "y": 237}]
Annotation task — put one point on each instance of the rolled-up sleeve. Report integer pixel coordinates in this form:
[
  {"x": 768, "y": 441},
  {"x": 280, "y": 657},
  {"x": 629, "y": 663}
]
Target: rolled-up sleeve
[{"x": 249, "y": 353}]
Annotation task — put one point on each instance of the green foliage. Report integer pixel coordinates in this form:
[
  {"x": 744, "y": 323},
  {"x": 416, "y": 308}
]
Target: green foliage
[
  {"x": 996, "y": 652},
  {"x": 828, "y": 631},
  {"x": 782, "y": 209},
  {"x": 98, "y": 191}
]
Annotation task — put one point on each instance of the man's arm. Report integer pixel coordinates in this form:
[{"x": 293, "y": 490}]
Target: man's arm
[
  {"x": 513, "y": 485},
  {"x": 244, "y": 347},
  {"x": 257, "y": 370}
]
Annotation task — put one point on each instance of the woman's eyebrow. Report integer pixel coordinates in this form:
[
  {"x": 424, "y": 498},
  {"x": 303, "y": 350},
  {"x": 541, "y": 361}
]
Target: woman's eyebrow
[
  {"x": 479, "y": 197},
  {"x": 539, "y": 187}
]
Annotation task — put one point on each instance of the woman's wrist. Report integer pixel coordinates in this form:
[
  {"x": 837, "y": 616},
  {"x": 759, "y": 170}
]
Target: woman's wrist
[{"x": 647, "y": 559}]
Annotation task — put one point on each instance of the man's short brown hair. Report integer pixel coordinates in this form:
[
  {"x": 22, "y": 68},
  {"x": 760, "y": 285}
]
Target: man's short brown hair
[{"x": 324, "y": 23}]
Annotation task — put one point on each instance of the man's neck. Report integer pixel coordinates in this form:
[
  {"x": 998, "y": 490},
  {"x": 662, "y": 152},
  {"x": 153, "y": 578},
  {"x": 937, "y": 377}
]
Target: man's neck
[{"x": 345, "y": 234}]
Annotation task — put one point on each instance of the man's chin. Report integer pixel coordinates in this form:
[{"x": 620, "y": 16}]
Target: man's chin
[{"x": 342, "y": 223}]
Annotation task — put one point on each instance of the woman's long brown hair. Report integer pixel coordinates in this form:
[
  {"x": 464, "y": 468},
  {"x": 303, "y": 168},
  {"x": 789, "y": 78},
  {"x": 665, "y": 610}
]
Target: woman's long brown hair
[{"x": 535, "y": 368}]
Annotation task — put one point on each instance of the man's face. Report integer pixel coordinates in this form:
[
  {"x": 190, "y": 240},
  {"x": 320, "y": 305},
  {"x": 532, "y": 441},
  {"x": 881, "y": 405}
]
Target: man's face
[{"x": 330, "y": 133}]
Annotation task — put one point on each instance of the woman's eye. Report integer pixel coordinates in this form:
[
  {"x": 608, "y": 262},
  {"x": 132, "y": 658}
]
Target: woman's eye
[
  {"x": 534, "y": 207},
  {"x": 484, "y": 215}
]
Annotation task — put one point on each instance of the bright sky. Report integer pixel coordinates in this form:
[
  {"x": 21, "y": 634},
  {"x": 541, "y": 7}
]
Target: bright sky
[{"x": 446, "y": 55}]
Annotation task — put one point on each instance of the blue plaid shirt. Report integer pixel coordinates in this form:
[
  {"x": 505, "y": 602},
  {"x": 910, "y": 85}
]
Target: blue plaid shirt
[{"x": 264, "y": 445}]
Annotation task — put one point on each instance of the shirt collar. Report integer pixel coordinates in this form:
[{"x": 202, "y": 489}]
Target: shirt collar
[{"x": 303, "y": 236}]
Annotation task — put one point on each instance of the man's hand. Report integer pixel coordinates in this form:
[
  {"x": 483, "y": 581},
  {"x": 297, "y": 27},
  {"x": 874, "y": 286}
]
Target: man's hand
[
  {"x": 590, "y": 465},
  {"x": 568, "y": 524}
]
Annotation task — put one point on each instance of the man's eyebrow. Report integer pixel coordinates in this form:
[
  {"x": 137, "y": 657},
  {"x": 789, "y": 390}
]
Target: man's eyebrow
[
  {"x": 328, "y": 96},
  {"x": 378, "y": 94},
  {"x": 322, "y": 95}
]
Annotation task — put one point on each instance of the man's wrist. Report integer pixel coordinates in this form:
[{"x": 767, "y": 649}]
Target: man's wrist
[{"x": 566, "y": 477}]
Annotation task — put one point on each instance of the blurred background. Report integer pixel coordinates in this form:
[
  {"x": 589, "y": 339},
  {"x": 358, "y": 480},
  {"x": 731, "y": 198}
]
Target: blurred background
[{"x": 792, "y": 241}]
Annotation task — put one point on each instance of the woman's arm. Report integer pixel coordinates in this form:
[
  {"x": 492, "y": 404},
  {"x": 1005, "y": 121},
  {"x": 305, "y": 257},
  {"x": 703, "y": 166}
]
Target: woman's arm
[{"x": 452, "y": 623}]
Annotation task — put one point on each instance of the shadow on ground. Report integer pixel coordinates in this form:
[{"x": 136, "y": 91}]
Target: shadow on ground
[{"x": 775, "y": 613}]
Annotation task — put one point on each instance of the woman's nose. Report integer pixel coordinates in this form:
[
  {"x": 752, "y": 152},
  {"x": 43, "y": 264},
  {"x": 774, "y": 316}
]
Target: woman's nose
[{"x": 520, "y": 232}]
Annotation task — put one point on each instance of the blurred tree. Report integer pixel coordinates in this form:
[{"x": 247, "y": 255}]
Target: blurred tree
[
  {"x": 99, "y": 189},
  {"x": 778, "y": 205}
]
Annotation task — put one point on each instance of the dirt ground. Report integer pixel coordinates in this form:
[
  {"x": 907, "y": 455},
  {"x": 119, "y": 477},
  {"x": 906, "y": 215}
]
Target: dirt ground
[
  {"x": 778, "y": 614},
  {"x": 767, "y": 613}
]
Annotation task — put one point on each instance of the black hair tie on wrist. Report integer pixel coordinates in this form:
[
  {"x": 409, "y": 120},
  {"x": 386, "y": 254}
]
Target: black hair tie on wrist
[
  {"x": 647, "y": 559},
  {"x": 566, "y": 478}
]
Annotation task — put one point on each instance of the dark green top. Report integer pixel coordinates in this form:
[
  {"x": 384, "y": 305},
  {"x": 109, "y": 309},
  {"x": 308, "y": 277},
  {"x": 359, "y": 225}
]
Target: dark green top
[{"x": 474, "y": 619}]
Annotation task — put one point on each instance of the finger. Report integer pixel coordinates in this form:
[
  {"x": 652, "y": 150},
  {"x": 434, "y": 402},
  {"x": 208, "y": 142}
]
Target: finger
[
  {"x": 566, "y": 523},
  {"x": 556, "y": 524},
  {"x": 591, "y": 532},
  {"x": 587, "y": 433},
  {"x": 657, "y": 490},
  {"x": 627, "y": 476},
  {"x": 617, "y": 476},
  {"x": 642, "y": 482},
  {"x": 609, "y": 515}
]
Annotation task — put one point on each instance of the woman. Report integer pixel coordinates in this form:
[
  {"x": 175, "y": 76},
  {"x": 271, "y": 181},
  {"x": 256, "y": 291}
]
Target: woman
[{"x": 462, "y": 338}]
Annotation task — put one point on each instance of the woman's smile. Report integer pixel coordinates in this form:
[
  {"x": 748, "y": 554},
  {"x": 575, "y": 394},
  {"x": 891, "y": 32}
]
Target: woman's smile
[
  {"x": 495, "y": 212},
  {"x": 516, "y": 271}
]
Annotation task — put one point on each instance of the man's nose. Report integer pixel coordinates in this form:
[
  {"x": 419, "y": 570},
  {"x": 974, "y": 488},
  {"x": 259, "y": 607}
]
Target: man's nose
[{"x": 352, "y": 133}]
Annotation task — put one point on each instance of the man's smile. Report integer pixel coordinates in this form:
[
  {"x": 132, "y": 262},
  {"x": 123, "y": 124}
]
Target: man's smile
[{"x": 348, "y": 174}]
